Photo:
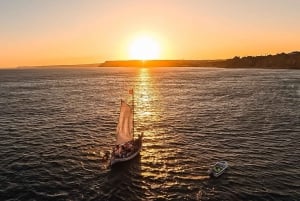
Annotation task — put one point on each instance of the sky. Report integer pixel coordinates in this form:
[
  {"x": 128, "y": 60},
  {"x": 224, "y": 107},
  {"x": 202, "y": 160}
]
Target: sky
[{"x": 48, "y": 32}]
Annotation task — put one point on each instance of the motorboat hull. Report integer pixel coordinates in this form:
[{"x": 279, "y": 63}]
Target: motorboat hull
[{"x": 218, "y": 169}]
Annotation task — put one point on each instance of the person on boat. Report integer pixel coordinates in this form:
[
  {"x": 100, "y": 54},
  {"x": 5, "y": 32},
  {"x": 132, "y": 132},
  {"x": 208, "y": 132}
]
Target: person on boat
[
  {"x": 129, "y": 149},
  {"x": 117, "y": 151},
  {"x": 123, "y": 151},
  {"x": 129, "y": 146},
  {"x": 217, "y": 168}
]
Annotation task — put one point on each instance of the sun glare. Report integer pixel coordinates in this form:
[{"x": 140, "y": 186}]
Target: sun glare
[{"x": 144, "y": 48}]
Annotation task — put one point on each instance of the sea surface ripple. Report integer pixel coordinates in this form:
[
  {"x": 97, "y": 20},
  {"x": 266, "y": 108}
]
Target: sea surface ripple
[{"x": 57, "y": 123}]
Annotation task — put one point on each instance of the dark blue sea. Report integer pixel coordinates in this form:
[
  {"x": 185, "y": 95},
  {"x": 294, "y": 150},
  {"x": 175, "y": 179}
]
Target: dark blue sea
[{"x": 57, "y": 123}]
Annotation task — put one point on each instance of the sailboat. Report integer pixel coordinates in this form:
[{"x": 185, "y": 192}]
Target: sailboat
[{"x": 126, "y": 146}]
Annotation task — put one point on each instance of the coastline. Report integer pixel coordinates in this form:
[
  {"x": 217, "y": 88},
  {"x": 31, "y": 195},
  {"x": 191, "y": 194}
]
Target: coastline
[{"x": 278, "y": 61}]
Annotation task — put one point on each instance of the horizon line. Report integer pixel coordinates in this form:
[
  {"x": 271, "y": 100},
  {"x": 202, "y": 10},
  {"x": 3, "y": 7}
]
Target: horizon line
[{"x": 139, "y": 60}]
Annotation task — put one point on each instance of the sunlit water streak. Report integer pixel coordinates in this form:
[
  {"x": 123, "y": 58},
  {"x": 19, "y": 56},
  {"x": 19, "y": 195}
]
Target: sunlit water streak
[{"x": 56, "y": 124}]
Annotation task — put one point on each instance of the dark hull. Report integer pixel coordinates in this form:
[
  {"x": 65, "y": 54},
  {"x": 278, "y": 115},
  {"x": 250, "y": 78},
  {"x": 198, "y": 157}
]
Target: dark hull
[{"x": 138, "y": 143}]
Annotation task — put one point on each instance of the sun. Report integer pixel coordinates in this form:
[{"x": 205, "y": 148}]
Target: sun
[{"x": 144, "y": 48}]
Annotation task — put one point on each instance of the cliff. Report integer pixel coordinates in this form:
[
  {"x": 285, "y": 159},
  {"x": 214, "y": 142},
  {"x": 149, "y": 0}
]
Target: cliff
[{"x": 290, "y": 61}]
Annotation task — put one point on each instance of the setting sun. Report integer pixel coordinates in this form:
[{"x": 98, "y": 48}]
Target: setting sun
[{"x": 144, "y": 48}]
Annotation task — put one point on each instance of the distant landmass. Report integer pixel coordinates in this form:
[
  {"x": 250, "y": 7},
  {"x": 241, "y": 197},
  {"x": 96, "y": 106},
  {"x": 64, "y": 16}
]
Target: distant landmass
[
  {"x": 280, "y": 61},
  {"x": 283, "y": 60},
  {"x": 160, "y": 63}
]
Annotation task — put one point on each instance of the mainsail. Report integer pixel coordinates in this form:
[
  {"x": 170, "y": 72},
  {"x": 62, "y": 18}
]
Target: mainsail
[{"x": 125, "y": 125}]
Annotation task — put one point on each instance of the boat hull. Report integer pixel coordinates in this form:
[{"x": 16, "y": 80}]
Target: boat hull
[
  {"x": 138, "y": 142},
  {"x": 218, "y": 169}
]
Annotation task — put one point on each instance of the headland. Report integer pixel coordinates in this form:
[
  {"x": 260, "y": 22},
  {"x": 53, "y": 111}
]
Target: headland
[{"x": 278, "y": 61}]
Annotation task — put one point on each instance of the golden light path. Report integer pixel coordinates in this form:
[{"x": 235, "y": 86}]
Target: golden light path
[
  {"x": 148, "y": 117},
  {"x": 145, "y": 112},
  {"x": 159, "y": 156}
]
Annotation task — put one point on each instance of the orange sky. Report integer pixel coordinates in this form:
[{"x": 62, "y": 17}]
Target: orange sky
[{"x": 73, "y": 31}]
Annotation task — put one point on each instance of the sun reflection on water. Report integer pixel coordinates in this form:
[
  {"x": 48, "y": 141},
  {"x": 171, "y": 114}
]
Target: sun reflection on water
[
  {"x": 148, "y": 119},
  {"x": 145, "y": 98}
]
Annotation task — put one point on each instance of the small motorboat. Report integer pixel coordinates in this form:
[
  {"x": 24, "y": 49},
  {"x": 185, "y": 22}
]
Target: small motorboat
[{"x": 218, "y": 169}]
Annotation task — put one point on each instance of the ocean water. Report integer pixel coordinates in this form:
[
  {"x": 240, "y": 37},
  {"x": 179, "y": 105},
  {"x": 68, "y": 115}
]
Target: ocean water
[{"x": 56, "y": 124}]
